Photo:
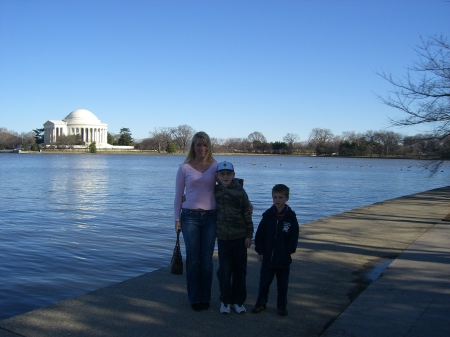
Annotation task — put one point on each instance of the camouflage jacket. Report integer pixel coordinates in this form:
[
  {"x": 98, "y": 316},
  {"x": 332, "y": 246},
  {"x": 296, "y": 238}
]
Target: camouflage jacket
[{"x": 233, "y": 219}]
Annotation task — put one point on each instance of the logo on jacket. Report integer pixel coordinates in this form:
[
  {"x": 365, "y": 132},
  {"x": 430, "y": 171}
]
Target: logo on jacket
[{"x": 286, "y": 227}]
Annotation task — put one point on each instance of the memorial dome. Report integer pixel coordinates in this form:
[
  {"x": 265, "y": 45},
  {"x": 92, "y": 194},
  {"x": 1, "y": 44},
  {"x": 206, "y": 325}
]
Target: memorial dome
[
  {"x": 81, "y": 116},
  {"x": 79, "y": 122}
]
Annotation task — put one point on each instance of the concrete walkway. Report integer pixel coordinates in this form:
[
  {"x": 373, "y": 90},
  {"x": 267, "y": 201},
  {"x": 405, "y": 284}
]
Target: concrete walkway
[
  {"x": 411, "y": 299},
  {"x": 334, "y": 289}
]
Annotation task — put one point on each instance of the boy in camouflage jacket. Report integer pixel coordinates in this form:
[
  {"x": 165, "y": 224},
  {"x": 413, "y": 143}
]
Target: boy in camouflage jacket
[{"x": 234, "y": 231}]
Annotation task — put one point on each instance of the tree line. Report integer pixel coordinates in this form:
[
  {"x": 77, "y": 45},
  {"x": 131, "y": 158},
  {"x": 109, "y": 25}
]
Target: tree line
[{"x": 321, "y": 142}]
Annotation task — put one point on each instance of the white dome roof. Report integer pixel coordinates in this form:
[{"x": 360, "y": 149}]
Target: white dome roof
[{"x": 81, "y": 116}]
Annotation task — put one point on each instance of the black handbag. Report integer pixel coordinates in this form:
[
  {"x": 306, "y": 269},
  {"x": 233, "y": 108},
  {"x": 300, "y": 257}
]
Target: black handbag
[{"x": 177, "y": 259}]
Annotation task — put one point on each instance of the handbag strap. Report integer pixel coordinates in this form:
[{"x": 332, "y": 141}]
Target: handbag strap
[{"x": 178, "y": 238}]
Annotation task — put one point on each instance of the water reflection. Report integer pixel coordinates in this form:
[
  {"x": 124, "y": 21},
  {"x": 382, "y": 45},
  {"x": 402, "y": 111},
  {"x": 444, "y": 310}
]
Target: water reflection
[{"x": 83, "y": 186}]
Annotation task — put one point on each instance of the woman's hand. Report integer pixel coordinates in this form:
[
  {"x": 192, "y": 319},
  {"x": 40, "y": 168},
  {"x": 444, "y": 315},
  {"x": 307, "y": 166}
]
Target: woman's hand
[
  {"x": 177, "y": 226},
  {"x": 248, "y": 243}
]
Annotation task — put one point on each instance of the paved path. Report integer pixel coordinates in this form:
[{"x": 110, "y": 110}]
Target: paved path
[
  {"x": 412, "y": 298},
  {"x": 331, "y": 292}
]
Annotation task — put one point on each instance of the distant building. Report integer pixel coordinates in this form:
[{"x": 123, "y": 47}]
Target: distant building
[{"x": 79, "y": 122}]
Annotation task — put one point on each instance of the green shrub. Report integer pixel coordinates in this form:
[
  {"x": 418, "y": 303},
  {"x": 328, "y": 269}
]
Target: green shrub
[{"x": 92, "y": 148}]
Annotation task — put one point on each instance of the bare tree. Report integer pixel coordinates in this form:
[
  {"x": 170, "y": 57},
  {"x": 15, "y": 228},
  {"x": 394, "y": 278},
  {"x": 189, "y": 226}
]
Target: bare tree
[
  {"x": 236, "y": 145},
  {"x": 350, "y": 136},
  {"x": 148, "y": 144},
  {"x": 257, "y": 137},
  {"x": 387, "y": 142},
  {"x": 321, "y": 140},
  {"x": 259, "y": 142},
  {"x": 182, "y": 135},
  {"x": 291, "y": 139},
  {"x": 421, "y": 146},
  {"x": 370, "y": 137},
  {"x": 424, "y": 92},
  {"x": 9, "y": 139},
  {"x": 28, "y": 138},
  {"x": 321, "y": 135},
  {"x": 217, "y": 142},
  {"x": 162, "y": 137}
]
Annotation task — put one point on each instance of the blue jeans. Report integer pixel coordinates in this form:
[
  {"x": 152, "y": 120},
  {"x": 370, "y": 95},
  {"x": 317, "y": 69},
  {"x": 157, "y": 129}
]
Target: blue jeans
[
  {"x": 232, "y": 271},
  {"x": 199, "y": 234}
]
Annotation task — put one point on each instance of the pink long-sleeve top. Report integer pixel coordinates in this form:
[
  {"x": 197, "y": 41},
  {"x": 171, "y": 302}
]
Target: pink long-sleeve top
[{"x": 197, "y": 187}]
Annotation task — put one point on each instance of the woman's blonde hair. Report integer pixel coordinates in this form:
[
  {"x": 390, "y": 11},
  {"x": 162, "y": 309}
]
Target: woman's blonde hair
[{"x": 197, "y": 137}]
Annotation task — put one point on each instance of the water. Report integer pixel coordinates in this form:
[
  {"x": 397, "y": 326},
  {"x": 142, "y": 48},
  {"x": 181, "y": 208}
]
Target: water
[{"x": 71, "y": 224}]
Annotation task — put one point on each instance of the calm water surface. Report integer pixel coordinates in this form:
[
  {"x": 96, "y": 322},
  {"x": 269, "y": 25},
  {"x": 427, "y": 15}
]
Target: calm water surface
[{"x": 71, "y": 224}]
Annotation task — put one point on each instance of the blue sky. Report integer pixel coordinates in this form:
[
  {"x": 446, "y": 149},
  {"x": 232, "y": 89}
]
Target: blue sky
[{"x": 225, "y": 67}]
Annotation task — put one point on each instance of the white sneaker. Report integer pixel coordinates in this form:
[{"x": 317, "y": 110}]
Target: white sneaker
[
  {"x": 224, "y": 308},
  {"x": 239, "y": 308}
]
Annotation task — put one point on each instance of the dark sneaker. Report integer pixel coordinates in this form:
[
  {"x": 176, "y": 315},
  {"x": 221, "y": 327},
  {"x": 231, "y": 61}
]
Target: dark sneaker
[
  {"x": 196, "y": 306},
  {"x": 282, "y": 312},
  {"x": 258, "y": 308}
]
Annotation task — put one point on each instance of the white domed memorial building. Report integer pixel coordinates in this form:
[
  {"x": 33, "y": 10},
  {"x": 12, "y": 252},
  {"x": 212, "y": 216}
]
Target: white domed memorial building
[{"x": 79, "y": 122}]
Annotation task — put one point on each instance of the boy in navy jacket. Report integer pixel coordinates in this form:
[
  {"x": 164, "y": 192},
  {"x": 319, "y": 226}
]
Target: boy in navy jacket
[{"x": 276, "y": 239}]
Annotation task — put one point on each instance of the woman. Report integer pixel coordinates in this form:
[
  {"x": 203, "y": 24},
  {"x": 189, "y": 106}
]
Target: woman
[{"x": 195, "y": 216}]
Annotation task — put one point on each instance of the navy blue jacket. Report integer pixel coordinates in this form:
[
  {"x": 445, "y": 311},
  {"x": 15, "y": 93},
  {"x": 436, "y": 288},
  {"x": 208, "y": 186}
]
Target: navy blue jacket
[{"x": 276, "y": 237}]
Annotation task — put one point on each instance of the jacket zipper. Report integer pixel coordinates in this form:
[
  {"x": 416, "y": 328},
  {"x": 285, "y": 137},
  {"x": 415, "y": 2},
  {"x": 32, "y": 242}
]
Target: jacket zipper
[{"x": 275, "y": 240}]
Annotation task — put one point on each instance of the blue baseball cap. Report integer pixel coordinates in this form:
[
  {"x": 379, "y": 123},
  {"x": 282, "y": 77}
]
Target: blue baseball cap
[{"x": 225, "y": 166}]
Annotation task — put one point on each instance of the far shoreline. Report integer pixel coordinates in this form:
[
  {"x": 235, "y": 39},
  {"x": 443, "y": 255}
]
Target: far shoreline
[{"x": 150, "y": 152}]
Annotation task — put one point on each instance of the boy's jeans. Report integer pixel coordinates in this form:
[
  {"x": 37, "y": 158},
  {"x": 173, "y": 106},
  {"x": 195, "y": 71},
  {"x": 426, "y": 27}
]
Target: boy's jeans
[
  {"x": 199, "y": 234},
  {"x": 232, "y": 271},
  {"x": 266, "y": 278}
]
